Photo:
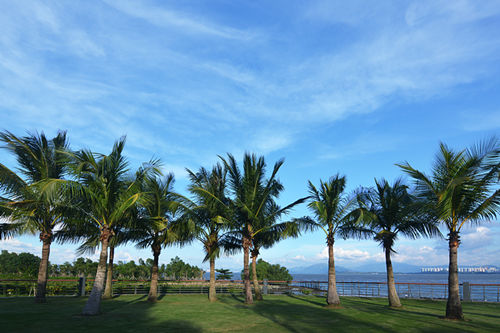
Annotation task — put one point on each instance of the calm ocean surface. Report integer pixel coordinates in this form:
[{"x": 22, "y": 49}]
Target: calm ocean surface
[{"x": 401, "y": 277}]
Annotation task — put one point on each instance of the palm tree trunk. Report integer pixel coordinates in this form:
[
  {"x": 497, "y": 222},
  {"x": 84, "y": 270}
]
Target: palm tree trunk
[
  {"x": 94, "y": 302},
  {"x": 246, "y": 271},
  {"x": 108, "y": 290},
  {"x": 332, "y": 297},
  {"x": 46, "y": 238},
  {"x": 453, "y": 306},
  {"x": 391, "y": 285},
  {"x": 256, "y": 288},
  {"x": 212, "y": 297},
  {"x": 153, "y": 288}
]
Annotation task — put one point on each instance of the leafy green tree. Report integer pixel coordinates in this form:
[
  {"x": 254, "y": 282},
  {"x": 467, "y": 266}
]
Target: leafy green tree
[
  {"x": 178, "y": 269},
  {"x": 19, "y": 265},
  {"x": 79, "y": 266},
  {"x": 127, "y": 270},
  {"x": 389, "y": 211},
  {"x": 460, "y": 190},
  {"x": 252, "y": 195},
  {"x": 211, "y": 214},
  {"x": 224, "y": 274},
  {"x": 271, "y": 272},
  {"x": 30, "y": 211},
  {"x": 334, "y": 215}
]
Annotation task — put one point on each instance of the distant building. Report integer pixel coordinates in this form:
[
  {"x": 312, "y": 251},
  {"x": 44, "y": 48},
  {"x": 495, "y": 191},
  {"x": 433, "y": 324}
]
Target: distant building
[
  {"x": 434, "y": 269},
  {"x": 475, "y": 269}
]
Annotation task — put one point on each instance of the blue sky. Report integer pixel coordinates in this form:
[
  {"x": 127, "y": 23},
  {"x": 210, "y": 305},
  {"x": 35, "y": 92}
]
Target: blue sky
[{"x": 331, "y": 86}]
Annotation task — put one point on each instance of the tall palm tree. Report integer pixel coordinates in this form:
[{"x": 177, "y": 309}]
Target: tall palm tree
[
  {"x": 268, "y": 233},
  {"x": 252, "y": 193},
  {"x": 31, "y": 211},
  {"x": 389, "y": 211},
  {"x": 211, "y": 214},
  {"x": 105, "y": 197},
  {"x": 89, "y": 234},
  {"x": 460, "y": 190},
  {"x": 156, "y": 227},
  {"x": 333, "y": 212}
]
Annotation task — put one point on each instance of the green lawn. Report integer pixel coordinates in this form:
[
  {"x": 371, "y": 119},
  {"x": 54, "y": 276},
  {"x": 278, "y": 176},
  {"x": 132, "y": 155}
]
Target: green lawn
[{"x": 193, "y": 313}]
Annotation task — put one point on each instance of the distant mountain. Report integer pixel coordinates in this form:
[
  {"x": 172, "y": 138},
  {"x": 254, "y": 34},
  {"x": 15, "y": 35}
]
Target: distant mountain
[
  {"x": 377, "y": 267},
  {"x": 321, "y": 268},
  {"x": 398, "y": 267}
]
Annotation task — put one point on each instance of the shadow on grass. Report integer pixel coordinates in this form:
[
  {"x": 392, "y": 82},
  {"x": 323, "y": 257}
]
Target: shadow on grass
[
  {"x": 317, "y": 300},
  {"x": 117, "y": 298},
  {"x": 126, "y": 313},
  {"x": 171, "y": 325},
  {"x": 467, "y": 313},
  {"x": 434, "y": 315},
  {"x": 305, "y": 315},
  {"x": 238, "y": 297},
  {"x": 276, "y": 313}
]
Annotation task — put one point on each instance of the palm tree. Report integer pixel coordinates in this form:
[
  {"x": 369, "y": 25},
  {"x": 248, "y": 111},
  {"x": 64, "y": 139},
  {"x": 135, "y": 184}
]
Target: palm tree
[
  {"x": 334, "y": 215},
  {"x": 459, "y": 191},
  {"x": 211, "y": 214},
  {"x": 90, "y": 235},
  {"x": 252, "y": 194},
  {"x": 268, "y": 233},
  {"x": 31, "y": 211},
  {"x": 156, "y": 227},
  {"x": 105, "y": 197},
  {"x": 389, "y": 211}
]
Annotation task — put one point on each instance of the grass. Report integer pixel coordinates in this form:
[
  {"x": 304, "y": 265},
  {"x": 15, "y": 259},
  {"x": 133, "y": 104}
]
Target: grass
[{"x": 193, "y": 313}]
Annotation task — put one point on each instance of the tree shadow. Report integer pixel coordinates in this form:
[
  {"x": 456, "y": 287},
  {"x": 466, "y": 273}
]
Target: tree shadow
[
  {"x": 408, "y": 313},
  {"x": 319, "y": 300},
  {"x": 466, "y": 313},
  {"x": 311, "y": 317},
  {"x": 124, "y": 313},
  {"x": 174, "y": 326},
  {"x": 123, "y": 299},
  {"x": 237, "y": 297}
]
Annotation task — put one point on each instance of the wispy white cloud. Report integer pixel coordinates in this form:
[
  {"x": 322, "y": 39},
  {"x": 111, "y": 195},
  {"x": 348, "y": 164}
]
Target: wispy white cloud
[
  {"x": 123, "y": 255},
  {"x": 80, "y": 42},
  {"x": 45, "y": 15},
  {"x": 169, "y": 18},
  {"x": 186, "y": 85},
  {"x": 418, "y": 56},
  {"x": 481, "y": 236},
  {"x": 365, "y": 143},
  {"x": 342, "y": 254},
  {"x": 15, "y": 245},
  {"x": 178, "y": 170},
  {"x": 266, "y": 141},
  {"x": 475, "y": 120},
  {"x": 434, "y": 54}
]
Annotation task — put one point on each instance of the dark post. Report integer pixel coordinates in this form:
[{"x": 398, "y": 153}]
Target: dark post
[
  {"x": 264, "y": 287},
  {"x": 466, "y": 291},
  {"x": 81, "y": 286}
]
